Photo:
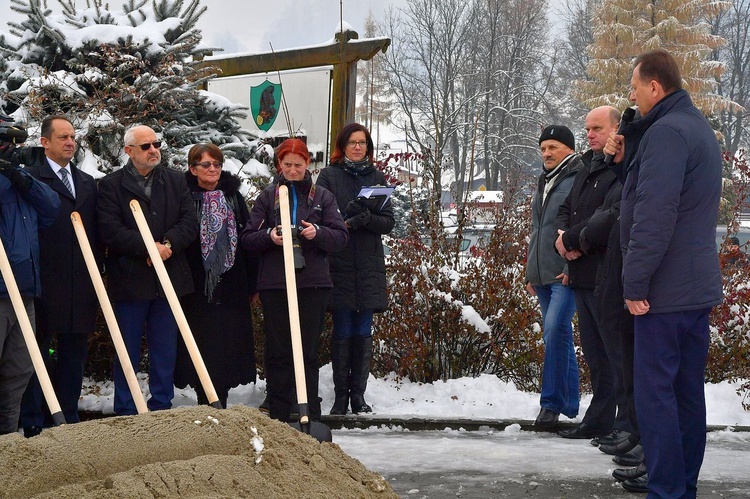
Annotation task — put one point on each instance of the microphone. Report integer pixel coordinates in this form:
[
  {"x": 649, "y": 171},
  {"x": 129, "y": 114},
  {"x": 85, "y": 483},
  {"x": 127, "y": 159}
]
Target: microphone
[{"x": 627, "y": 117}]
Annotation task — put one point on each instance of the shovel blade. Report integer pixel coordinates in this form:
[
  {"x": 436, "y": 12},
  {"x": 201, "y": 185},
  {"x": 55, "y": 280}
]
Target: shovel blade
[{"x": 315, "y": 429}]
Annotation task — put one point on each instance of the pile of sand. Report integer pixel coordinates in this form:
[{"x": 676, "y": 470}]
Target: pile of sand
[{"x": 185, "y": 452}]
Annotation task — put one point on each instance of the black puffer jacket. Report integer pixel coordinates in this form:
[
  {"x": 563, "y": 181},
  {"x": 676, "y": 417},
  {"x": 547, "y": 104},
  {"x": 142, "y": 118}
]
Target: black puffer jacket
[{"x": 358, "y": 271}]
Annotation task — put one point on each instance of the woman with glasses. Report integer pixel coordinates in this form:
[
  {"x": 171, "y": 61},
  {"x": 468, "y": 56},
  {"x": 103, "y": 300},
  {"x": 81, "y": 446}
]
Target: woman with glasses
[
  {"x": 317, "y": 230},
  {"x": 358, "y": 271},
  {"x": 224, "y": 275}
]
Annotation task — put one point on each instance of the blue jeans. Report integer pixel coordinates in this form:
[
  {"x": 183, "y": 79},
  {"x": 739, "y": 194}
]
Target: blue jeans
[
  {"x": 560, "y": 373},
  {"x": 156, "y": 318},
  {"x": 348, "y": 323}
]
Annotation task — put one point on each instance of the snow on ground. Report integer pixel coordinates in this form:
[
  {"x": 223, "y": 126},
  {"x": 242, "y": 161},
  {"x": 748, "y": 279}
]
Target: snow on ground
[
  {"x": 483, "y": 397},
  {"x": 486, "y": 455}
]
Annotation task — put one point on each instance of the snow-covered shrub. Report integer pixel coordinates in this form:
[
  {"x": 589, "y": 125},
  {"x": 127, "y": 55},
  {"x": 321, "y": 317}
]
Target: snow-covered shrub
[
  {"x": 453, "y": 315},
  {"x": 729, "y": 352}
]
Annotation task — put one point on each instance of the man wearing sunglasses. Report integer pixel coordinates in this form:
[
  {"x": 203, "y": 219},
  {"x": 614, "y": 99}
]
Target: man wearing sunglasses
[{"x": 138, "y": 300}]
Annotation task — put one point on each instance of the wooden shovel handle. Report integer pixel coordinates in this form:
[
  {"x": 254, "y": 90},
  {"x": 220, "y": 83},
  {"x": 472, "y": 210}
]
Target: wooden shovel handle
[
  {"x": 109, "y": 314},
  {"x": 291, "y": 296},
  {"x": 28, "y": 335},
  {"x": 174, "y": 303}
]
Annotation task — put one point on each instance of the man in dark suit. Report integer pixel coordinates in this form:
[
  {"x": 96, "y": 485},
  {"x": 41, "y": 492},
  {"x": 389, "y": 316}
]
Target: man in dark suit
[
  {"x": 66, "y": 310},
  {"x": 138, "y": 300}
]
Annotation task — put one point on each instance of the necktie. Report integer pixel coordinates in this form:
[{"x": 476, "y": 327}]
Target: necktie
[{"x": 64, "y": 177}]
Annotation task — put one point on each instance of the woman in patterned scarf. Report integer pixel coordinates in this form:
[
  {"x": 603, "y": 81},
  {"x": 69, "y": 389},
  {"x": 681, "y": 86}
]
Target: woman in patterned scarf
[{"x": 224, "y": 274}]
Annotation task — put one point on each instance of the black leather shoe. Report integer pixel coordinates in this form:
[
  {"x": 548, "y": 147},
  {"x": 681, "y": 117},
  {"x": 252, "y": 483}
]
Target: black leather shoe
[
  {"x": 31, "y": 431},
  {"x": 547, "y": 418},
  {"x": 613, "y": 438},
  {"x": 582, "y": 431},
  {"x": 639, "y": 484},
  {"x": 622, "y": 448},
  {"x": 630, "y": 473},
  {"x": 632, "y": 458}
]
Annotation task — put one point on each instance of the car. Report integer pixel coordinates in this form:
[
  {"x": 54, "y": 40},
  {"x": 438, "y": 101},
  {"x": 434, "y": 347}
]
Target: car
[{"x": 742, "y": 234}]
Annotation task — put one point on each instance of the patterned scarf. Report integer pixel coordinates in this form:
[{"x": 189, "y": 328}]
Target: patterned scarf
[
  {"x": 356, "y": 167},
  {"x": 218, "y": 237}
]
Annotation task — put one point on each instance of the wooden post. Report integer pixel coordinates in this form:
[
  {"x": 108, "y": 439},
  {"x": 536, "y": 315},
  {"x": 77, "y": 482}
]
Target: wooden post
[{"x": 343, "y": 55}]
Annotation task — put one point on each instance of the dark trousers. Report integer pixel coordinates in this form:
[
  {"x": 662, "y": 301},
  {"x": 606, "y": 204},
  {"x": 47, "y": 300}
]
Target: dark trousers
[
  {"x": 601, "y": 349},
  {"x": 670, "y": 359},
  {"x": 154, "y": 317},
  {"x": 66, "y": 375},
  {"x": 279, "y": 362},
  {"x": 627, "y": 346}
]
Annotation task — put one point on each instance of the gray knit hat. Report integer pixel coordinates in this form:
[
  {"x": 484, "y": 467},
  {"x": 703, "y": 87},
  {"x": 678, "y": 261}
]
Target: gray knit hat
[{"x": 559, "y": 133}]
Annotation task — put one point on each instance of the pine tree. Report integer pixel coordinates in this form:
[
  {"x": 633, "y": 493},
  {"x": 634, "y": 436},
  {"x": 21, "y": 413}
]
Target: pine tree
[
  {"x": 109, "y": 70},
  {"x": 625, "y": 28},
  {"x": 374, "y": 105}
]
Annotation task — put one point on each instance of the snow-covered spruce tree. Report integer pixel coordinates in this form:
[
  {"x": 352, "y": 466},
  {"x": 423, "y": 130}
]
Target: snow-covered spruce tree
[
  {"x": 108, "y": 70},
  {"x": 625, "y": 28}
]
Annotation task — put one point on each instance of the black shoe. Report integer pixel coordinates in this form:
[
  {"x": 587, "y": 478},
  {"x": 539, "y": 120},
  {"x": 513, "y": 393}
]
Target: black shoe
[
  {"x": 630, "y": 473},
  {"x": 547, "y": 418},
  {"x": 613, "y": 438},
  {"x": 340, "y": 404},
  {"x": 632, "y": 458},
  {"x": 639, "y": 484},
  {"x": 622, "y": 448},
  {"x": 582, "y": 431},
  {"x": 359, "y": 405},
  {"x": 264, "y": 406},
  {"x": 31, "y": 431}
]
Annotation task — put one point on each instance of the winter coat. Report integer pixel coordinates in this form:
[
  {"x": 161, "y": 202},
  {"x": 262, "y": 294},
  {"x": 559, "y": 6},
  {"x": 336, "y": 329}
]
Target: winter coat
[
  {"x": 543, "y": 264},
  {"x": 223, "y": 329},
  {"x": 601, "y": 239},
  {"x": 358, "y": 271},
  {"x": 591, "y": 185},
  {"x": 321, "y": 211},
  {"x": 21, "y": 215},
  {"x": 68, "y": 304},
  {"x": 669, "y": 208},
  {"x": 170, "y": 214}
]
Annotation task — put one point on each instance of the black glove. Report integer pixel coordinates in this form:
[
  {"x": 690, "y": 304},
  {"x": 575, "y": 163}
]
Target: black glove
[
  {"x": 360, "y": 220},
  {"x": 354, "y": 208},
  {"x": 17, "y": 179},
  {"x": 6, "y": 153}
]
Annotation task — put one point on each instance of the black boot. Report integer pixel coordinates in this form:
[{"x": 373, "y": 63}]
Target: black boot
[
  {"x": 340, "y": 361},
  {"x": 360, "y": 356}
]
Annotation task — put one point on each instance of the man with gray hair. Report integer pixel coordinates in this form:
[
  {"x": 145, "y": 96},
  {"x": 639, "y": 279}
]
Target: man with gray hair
[
  {"x": 547, "y": 280},
  {"x": 138, "y": 300}
]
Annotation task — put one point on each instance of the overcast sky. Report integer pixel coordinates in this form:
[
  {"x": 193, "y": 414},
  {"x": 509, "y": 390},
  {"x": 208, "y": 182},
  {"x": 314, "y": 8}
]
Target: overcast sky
[{"x": 250, "y": 25}]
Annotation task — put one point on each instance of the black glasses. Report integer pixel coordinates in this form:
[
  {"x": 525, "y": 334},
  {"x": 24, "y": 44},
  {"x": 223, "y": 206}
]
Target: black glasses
[
  {"x": 208, "y": 164},
  {"x": 146, "y": 147},
  {"x": 354, "y": 143}
]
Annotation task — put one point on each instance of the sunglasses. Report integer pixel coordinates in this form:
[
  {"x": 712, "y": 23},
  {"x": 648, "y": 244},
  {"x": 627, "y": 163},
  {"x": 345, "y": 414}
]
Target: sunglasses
[
  {"x": 208, "y": 164},
  {"x": 146, "y": 147}
]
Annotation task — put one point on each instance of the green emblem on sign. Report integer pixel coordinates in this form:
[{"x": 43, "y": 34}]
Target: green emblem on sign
[{"x": 265, "y": 103}]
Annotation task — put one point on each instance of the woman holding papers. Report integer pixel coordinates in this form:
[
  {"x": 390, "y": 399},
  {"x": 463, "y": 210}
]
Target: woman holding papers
[{"x": 358, "y": 271}]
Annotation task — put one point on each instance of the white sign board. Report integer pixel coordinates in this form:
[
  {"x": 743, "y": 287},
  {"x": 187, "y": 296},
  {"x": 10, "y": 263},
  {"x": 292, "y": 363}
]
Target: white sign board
[{"x": 307, "y": 93}]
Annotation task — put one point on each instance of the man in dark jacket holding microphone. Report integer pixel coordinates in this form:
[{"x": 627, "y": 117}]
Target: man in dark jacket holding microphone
[
  {"x": 671, "y": 277},
  {"x": 27, "y": 204}
]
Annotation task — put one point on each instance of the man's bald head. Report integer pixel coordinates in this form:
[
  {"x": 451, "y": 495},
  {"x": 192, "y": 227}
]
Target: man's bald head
[{"x": 600, "y": 122}]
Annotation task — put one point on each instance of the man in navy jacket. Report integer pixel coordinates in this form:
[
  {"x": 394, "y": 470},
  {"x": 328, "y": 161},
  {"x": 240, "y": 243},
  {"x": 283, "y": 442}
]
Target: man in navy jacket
[
  {"x": 27, "y": 204},
  {"x": 671, "y": 276}
]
